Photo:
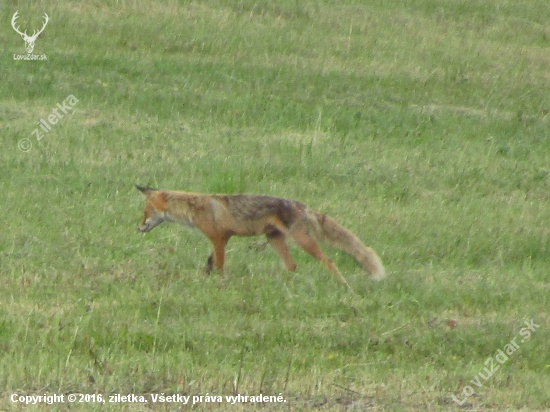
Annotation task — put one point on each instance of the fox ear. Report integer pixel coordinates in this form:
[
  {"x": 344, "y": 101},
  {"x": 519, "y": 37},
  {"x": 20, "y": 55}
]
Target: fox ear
[{"x": 144, "y": 189}]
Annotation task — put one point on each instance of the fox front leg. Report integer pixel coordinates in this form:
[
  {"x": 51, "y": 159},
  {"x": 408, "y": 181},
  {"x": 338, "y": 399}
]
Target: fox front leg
[{"x": 209, "y": 263}]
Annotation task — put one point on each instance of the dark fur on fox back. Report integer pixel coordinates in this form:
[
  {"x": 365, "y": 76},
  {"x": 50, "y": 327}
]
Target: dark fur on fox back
[{"x": 251, "y": 207}]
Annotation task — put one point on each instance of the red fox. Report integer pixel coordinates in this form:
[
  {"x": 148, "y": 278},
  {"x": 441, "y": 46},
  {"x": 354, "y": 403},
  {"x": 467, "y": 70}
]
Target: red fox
[{"x": 221, "y": 216}]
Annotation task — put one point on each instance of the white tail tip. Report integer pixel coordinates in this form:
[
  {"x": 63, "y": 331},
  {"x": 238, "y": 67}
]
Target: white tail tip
[{"x": 379, "y": 275}]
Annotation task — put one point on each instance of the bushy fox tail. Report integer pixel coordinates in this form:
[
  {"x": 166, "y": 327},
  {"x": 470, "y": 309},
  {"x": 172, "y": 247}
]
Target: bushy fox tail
[{"x": 343, "y": 239}]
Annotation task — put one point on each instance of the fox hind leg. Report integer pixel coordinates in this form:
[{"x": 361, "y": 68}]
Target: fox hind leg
[
  {"x": 305, "y": 241},
  {"x": 277, "y": 241}
]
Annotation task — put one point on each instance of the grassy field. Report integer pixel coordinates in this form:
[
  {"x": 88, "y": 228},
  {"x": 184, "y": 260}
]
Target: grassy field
[{"x": 422, "y": 126}]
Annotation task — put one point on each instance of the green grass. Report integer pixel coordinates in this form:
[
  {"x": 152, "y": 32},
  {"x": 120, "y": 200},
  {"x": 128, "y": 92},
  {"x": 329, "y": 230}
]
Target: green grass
[{"x": 421, "y": 126}]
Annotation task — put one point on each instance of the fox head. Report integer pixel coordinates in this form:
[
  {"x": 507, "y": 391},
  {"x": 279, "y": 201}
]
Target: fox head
[{"x": 155, "y": 208}]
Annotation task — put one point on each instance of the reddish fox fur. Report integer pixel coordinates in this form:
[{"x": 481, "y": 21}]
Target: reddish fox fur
[{"x": 221, "y": 216}]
